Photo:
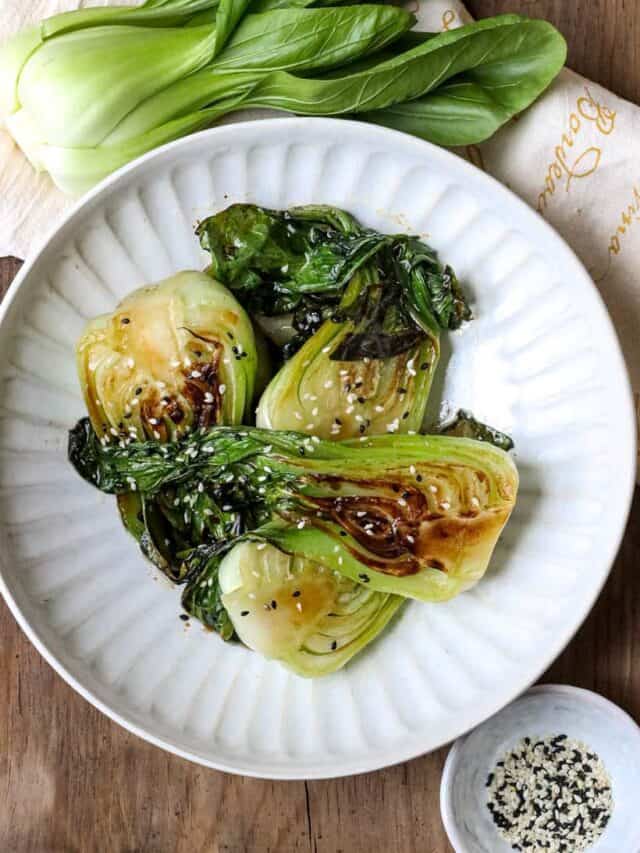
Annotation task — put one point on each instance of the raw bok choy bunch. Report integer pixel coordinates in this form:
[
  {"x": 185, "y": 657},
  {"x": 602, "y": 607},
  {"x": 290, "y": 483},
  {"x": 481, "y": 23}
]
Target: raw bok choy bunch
[
  {"x": 85, "y": 92},
  {"x": 172, "y": 357},
  {"x": 359, "y": 315},
  {"x": 412, "y": 515}
]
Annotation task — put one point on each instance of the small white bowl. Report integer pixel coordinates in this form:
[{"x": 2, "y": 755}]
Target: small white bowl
[{"x": 542, "y": 711}]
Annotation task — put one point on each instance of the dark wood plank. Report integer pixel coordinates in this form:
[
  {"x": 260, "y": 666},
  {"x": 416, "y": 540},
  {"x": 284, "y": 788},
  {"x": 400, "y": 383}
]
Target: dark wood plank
[{"x": 72, "y": 781}]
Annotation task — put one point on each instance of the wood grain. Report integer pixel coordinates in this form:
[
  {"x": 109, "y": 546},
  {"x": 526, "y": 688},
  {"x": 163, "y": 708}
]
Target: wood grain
[{"x": 71, "y": 781}]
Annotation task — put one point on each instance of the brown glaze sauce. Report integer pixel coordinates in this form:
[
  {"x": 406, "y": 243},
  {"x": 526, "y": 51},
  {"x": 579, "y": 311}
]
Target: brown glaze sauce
[{"x": 206, "y": 413}]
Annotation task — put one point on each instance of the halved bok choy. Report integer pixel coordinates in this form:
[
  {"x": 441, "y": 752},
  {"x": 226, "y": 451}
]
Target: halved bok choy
[
  {"x": 172, "y": 357},
  {"x": 412, "y": 515},
  {"x": 358, "y": 315},
  {"x": 293, "y": 609}
]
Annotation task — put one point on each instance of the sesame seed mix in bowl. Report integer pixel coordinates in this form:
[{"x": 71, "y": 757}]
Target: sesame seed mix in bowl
[{"x": 550, "y": 793}]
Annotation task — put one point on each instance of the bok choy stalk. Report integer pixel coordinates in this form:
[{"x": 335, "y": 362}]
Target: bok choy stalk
[
  {"x": 366, "y": 310},
  {"x": 411, "y": 515},
  {"x": 114, "y": 94}
]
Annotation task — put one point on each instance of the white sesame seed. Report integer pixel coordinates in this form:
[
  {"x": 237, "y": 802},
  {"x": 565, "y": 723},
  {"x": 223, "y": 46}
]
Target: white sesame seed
[
  {"x": 297, "y": 416},
  {"x": 298, "y": 607},
  {"x": 196, "y": 374},
  {"x": 475, "y": 501},
  {"x": 433, "y": 489},
  {"x": 402, "y": 502},
  {"x": 301, "y": 524},
  {"x": 315, "y": 411},
  {"x": 174, "y": 363},
  {"x": 208, "y": 397},
  {"x": 445, "y": 505},
  {"x": 328, "y": 383},
  {"x": 326, "y": 349},
  {"x": 379, "y": 408}
]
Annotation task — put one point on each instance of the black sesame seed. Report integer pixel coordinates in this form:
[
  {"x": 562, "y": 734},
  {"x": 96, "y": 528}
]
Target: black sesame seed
[
  {"x": 343, "y": 533},
  {"x": 402, "y": 390},
  {"x": 424, "y": 365},
  {"x": 358, "y": 385},
  {"x": 364, "y": 578},
  {"x": 274, "y": 604},
  {"x": 337, "y": 421},
  {"x": 138, "y": 392},
  {"x": 184, "y": 617},
  {"x": 362, "y": 428},
  {"x": 125, "y": 321},
  {"x": 419, "y": 478},
  {"x": 244, "y": 612},
  {"x": 296, "y": 593},
  {"x": 405, "y": 416},
  {"x": 334, "y": 645}
]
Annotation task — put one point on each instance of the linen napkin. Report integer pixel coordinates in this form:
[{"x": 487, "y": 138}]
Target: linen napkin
[{"x": 574, "y": 157}]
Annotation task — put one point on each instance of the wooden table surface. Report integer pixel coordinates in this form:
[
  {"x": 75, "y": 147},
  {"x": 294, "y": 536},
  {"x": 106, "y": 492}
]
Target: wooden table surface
[{"x": 71, "y": 781}]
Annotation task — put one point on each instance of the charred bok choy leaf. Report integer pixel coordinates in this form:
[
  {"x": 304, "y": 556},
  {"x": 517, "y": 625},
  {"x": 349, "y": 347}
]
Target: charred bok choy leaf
[
  {"x": 414, "y": 515},
  {"x": 365, "y": 310}
]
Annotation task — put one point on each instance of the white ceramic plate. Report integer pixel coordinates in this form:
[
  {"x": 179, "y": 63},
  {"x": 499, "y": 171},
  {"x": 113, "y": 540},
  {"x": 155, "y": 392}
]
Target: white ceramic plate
[{"x": 541, "y": 361}]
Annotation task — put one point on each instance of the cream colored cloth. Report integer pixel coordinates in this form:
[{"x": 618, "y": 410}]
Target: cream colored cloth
[{"x": 574, "y": 157}]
